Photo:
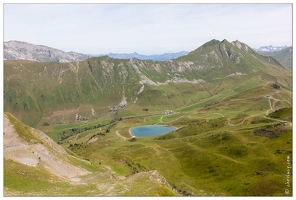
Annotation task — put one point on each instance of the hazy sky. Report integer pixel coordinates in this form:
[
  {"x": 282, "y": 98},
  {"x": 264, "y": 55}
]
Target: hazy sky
[{"x": 146, "y": 28}]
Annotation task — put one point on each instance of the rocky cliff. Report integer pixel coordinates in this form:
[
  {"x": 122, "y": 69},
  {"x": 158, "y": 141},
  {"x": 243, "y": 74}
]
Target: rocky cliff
[{"x": 17, "y": 50}]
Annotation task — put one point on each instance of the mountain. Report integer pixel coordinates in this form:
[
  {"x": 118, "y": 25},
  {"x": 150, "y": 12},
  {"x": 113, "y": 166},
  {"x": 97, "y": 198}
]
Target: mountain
[
  {"x": 284, "y": 56},
  {"x": 17, "y": 50},
  {"x": 161, "y": 57},
  {"x": 61, "y": 92},
  {"x": 271, "y": 48},
  {"x": 231, "y": 107}
]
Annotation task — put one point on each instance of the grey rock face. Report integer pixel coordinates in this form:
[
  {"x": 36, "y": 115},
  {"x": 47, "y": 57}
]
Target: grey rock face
[{"x": 17, "y": 50}]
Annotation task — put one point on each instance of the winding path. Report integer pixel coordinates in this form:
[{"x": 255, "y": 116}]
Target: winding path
[
  {"x": 271, "y": 109},
  {"x": 160, "y": 120},
  {"x": 269, "y": 97},
  {"x": 219, "y": 114},
  {"x": 120, "y": 136}
]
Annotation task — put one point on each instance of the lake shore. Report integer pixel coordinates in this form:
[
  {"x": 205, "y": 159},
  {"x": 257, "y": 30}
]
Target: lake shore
[{"x": 130, "y": 130}]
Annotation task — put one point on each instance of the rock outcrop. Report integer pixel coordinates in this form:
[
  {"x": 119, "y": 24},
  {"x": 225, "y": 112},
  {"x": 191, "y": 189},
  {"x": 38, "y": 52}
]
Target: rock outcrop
[{"x": 17, "y": 50}]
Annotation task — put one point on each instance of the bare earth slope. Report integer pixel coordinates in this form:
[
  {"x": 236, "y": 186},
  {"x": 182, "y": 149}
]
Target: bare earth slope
[
  {"x": 29, "y": 148},
  {"x": 44, "y": 153}
]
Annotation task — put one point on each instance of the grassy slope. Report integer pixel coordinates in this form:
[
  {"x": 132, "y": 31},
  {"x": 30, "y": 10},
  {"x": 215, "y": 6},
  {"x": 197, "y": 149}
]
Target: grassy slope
[
  {"x": 225, "y": 145},
  {"x": 202, "y": 160},
  {"x": 25, "y": 180},
  {"x": 209, "y": 156},
  {"x": 53, "y": 93}
]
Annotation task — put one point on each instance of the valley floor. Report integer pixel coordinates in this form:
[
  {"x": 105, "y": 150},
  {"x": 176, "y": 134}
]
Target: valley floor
[{"x": 224, "y": 145}]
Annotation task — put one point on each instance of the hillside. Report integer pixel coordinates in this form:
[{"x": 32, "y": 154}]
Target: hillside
[
  {"x": 34, "y": 165},
  {"x": 284, "y": 56},
  {"x": 17, "y": 50},
  {"x": 232, "y": 109},
  {"x": 31, "y": 147},
  {"x": 61, "y": 93}
]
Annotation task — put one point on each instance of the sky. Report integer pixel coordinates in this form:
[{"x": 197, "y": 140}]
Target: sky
[{"x": 146, "y": 28}]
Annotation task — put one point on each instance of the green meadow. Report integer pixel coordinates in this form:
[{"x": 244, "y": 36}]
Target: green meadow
[{"x": 231, "y": 107}]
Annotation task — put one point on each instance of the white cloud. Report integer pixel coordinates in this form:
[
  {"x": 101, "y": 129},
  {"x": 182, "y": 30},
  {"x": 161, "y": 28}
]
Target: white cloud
[{"x": 146, "y": 28}]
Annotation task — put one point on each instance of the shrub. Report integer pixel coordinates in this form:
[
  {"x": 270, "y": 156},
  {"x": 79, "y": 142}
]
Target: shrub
[
  {"x": 45, "y": 124},
  {"x": 275, "y": 86}
]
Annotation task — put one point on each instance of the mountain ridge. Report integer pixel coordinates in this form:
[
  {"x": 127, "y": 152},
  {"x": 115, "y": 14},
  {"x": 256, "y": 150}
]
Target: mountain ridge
[
  {"x": 284, "y": 56},
  {"x": 232, "y": 109},
  {"x": 109, "y": 81},
  {"x": 154, "y": 57},
  {"x": 19, "y": 50},
  {"x": 271, "y": 48}
]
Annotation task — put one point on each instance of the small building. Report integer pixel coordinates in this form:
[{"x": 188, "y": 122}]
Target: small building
[
  {"x": 284, "y": 123},
  {"x": 166, "y": 112}
]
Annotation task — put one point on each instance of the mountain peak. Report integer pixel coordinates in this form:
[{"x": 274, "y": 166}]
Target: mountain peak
[
  {"x": 237, "y": 44},
  {"x": 217, "y": 52},
  {"x": 224, "y": 41},
  {"x": 213, "y": 42},
  {"x": 241, "y": 45},
  {"x": 210, "y": 43}
]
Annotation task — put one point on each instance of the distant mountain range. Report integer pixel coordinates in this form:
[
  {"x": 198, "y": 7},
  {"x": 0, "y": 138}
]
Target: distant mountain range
[
  {"x": 18, "y": 50},
  {"x": 161, "y": 57},
  {"x": 284, "y": 56},
  {"x": 271, "y": 48}
]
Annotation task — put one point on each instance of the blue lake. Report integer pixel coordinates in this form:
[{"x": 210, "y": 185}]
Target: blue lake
[{"x": 151, "y": 130}]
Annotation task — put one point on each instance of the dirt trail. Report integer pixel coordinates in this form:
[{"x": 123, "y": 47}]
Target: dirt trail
[
  {"x": 271, "y": 109},
  {"x": 272, "y": 105},
  {"x": 120, "y": 136},
  {"x": 269, "y": 97},
  {"x": 161, "y": 122},
  {"x": 219, "y": 114}
]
